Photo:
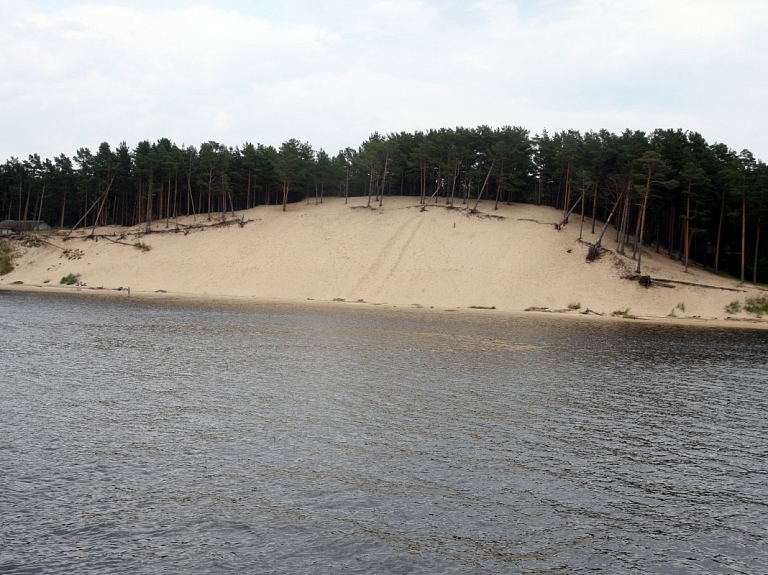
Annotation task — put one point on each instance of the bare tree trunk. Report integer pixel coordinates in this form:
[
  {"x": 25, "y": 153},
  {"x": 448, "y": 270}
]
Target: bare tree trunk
[
  {"x": 599, "y": 241},
  {"x": 642, "y": 222},
  {"x": 248, "y": 191},
  {"x": 346, "y": 185},
  {"x": 160, "y": 202},
  {"x": 485, "y": 183},
  {"x": 168, "y": 204},
  {"x": 567, "y": 197},
  {"x": 176, "y": 197},
  {"x": 423, "y": 182},
  {"x": 453, "y": 184},
  {"x": 625, "y": 219},
  {"x": 687, "y": 228},
  {"x": 137, "y": 209},
  {"x": 101, "y": 207},
  {"x": 88, "y": 211},
  {"x": 623, "y": 235},
  {"x": 149, "y": 203},
  {"x": 384, "y": 180},
  {"x": 719, "y": 233},
  {"x": 757, "y": 245},
  {"x": 42, "y": 197},
  {"x": 210, "y": 193},
  {"x": 26, "y": 206},
  {"x": 370, "y": 187},
  {"x": 637, "y": 234},
  {"x": 743, "y": 234},
  {"x": 565, "y": 219},
  {"x": 63, "y": 208},
  {"x": 498, "y": 188},
  {"x": 191, "y": 199}
]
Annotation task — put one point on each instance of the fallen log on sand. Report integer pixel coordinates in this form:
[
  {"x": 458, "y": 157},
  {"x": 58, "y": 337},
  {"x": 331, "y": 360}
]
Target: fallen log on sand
[{"x": 648, "y": 281}]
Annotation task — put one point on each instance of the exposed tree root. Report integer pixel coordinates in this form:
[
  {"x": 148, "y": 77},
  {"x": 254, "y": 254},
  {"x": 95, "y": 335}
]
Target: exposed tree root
[
  {"x": 591, "y": 312},
  {"x": 648, "y": 281},
  {"x": 538, "y": 222}
]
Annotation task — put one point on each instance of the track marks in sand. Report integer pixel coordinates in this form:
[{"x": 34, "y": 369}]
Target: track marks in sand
[
  {"x": 405, "y": 247},
  {"x": 388, "y": 258}
]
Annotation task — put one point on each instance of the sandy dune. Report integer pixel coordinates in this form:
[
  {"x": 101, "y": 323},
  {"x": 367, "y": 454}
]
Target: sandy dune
[{"x": 398, "y": 255}]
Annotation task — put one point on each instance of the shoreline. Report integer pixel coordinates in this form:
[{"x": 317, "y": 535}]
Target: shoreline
[
  {"x": 401, "y": 256},
  {"x": 188, "y": 299}
]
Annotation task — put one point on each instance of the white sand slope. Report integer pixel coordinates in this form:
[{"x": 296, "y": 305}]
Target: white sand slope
[{"x": 398, "y": 255}]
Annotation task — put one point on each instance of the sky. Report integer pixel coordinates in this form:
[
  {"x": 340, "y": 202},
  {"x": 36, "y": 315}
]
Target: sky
[{"x": 77, "y": 73}]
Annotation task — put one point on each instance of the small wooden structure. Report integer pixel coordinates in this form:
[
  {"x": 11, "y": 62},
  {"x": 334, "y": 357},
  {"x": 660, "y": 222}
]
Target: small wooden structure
[{"x": 8, "y": 227}]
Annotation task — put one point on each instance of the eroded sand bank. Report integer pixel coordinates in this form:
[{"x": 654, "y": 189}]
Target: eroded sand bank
[{"x": 510, "y": 259}]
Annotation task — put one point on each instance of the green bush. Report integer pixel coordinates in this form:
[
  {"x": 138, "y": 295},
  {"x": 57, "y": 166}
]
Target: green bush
[
  {"x": 733, "y": 307},
  {"x": 621, "y": 312},
  {"x": 142, "y": 246},
  {"x": 6, "y": 257},
  {"x": 757, "y": 305},
  {"x": 574, "y": 305},
  {"x": 6, "y": 264},
  {"x": 70, "y": 280}
]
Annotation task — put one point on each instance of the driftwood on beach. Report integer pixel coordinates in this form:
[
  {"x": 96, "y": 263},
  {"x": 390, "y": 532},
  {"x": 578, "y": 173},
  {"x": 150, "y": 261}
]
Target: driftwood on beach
[
  {"x": 649, "y": 281},
  {"x": 592, "y": 312},
  {"x": 178, "y": 228},
  {"x": 398, "y": 256}
]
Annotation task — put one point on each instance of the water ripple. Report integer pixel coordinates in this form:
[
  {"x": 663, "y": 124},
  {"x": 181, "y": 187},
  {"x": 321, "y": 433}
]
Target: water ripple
[{"x": 275, "y": 439}]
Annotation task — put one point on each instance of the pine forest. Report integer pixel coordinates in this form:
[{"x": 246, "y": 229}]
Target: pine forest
[{"x": 702, "y": 203}]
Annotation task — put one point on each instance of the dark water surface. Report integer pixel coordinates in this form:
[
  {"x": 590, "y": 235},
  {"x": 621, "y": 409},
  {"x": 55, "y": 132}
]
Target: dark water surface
[{"x": 159, "y": 437}]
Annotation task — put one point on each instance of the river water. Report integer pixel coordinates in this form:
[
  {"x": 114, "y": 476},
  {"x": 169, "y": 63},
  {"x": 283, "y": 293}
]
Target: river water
[{"x": 154, "y": 437}]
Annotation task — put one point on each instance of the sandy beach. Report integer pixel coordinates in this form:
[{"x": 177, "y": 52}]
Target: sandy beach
[{"x": 506, "y": 260}]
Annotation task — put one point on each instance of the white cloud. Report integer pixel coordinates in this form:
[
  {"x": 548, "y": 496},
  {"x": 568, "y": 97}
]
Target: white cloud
[{"x": 332, "y": 73}]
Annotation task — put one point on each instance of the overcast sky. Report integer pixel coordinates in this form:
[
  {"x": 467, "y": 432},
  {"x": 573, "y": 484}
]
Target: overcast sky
[{"x": 74, "y": 74}]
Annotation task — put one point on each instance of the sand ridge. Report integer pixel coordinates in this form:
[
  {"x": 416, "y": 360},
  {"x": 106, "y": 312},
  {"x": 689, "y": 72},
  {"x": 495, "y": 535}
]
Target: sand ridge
[{"x": 510, "y": 259}]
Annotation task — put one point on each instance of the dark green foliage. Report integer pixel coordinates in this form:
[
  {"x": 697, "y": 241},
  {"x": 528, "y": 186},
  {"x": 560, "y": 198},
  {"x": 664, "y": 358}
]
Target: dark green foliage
[
  {"x": 70, "y": 279},
  {"x": 7, "y": 254},
  {"x": 733, "y": 307},
  {"x": 757, "y": 305},
  {"x": 702, "y": 204}
]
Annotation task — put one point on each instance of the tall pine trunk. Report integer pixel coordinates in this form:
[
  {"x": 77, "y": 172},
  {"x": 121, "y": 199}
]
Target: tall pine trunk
[
  {"x": 687, "y": 227},
  {"x": 567, "y": 199},
  {"x": 63, "y": 208},
  {"x": 642, "y": 220},
  {"x": 26, "y": 206},
  {"x": 743, "y": 234},
  {"x": 248, "y": 192},
  {"x": 757, "y": 246},
  {"x": 719, "y": 233}
]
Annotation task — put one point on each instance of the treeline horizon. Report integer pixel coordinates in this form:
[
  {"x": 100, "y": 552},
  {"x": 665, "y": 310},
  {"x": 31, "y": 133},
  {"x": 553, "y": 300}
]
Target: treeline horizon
[{"x": 702, "y": 203}]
